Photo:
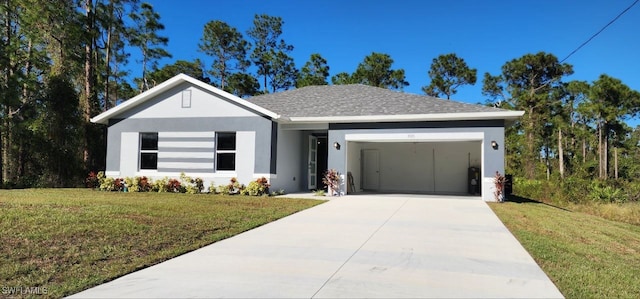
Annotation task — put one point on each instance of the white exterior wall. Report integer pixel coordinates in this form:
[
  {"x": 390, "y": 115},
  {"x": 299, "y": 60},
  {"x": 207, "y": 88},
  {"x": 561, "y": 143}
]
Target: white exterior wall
[
  {"x": 289, "y": 157},
  {"x": 203, "y": 104},
  {"x": 245, "y": 157},
  {"x": 129, "y": 147}
]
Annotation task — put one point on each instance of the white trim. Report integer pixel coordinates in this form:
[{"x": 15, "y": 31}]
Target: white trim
[
  {"x": 207, "y": 155},
  {"x": 191, "y": 174},
  {"x": 305, "y": 126},
  {"x": 112, "y": 173},
  {"x": 409, "y": 117},
  {"x": 103, "y": 118},
  {"x": 268, "y": 176},
  {"x": 416, "y": 137},
  {"x": 187, "y": 165},
  {"x": 206, "y": 134}
]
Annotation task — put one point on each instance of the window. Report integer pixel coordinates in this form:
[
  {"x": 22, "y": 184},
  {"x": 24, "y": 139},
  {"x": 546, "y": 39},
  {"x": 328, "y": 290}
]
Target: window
[
  {"x": 148, "y": 150},
  {"x": 225, "y": 151}
]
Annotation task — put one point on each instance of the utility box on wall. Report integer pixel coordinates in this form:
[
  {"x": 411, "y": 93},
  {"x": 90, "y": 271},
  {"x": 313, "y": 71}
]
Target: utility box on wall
[{"x": 473, "y": 181}]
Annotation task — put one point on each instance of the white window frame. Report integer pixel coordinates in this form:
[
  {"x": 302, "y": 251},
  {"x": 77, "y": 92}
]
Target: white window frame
[
  {"x": 234, "y": 151},
  {"x": 146, "y": 151}
]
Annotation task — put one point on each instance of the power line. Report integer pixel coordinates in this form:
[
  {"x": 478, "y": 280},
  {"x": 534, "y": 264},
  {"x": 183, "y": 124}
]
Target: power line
[{"x": 602, "y": 29}]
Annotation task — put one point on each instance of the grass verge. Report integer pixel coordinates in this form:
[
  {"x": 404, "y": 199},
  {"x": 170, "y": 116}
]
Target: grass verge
[
  {"x": 586, "y": 256},
  {"x": 67, "y": 240}
]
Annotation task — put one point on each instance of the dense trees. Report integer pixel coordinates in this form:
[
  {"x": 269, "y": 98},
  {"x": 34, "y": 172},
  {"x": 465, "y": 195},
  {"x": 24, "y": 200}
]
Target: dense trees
[
  {"x": 314, "y": 72},
  {"x": 531, "y": 83},
  {"x": 144, "y": 35},
  {"x": 569, "y": 127},
  {"x": 194, "y": 69},
  {"x": 374, "y": 70},
  {"x": 270, "y": 53},
  {"x": 228, "y": 48},
  {"x": 447, "y": 73},
  {"x": 62, "y": 62}
]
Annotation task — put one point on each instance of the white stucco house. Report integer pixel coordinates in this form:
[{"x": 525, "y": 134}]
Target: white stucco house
[{"x": 385, "y": 141}]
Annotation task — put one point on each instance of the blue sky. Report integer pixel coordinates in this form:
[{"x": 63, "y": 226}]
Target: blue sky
[{"x": 485, "y": 33}]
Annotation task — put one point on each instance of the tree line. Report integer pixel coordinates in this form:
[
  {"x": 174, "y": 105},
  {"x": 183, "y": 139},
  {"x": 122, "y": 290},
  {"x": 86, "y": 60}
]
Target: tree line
[{"x": 63, "y": 62}]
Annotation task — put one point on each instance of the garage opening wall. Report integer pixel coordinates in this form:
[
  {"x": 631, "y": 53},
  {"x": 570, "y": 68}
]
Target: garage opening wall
[
  {"x": 354, "y": 163},
  {"x": 422, "y": 167},
  {"x": 451, "y": 164},
  {"x": 490, "y": 160}
]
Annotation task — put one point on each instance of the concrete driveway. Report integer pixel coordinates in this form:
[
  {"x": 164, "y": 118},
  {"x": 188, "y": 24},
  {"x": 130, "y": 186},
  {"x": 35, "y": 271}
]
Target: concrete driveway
[{"x": 356, "y": 246}]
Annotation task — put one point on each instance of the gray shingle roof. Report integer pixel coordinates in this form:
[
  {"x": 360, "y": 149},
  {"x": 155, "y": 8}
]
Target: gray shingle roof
[{"x": 358, "y": 100}]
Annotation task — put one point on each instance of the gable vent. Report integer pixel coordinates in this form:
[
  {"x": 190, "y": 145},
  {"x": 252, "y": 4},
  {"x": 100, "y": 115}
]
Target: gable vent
[{"x": 186, "y": 99}]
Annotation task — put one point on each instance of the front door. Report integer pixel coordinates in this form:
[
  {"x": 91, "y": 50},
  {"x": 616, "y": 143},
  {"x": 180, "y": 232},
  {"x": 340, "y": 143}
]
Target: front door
[
  {"x": 313, "y": 162},
  {"x": 370, "y": 169}
]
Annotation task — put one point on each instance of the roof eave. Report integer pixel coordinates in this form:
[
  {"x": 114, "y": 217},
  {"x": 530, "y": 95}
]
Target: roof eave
[{"x": 506, "y": 115}]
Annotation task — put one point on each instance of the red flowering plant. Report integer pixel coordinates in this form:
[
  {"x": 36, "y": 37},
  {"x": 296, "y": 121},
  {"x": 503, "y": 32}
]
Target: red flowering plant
[
  {"x": 332, "y": 179},
  {"x": 174, "y": 185},
  {"x": 92, "y": 180},
  {"x": 499, "y": 181}
]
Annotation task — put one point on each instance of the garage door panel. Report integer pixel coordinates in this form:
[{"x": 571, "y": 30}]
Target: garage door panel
[
  {"x": 406, "y": 167},
  {"x": 431, "y": 167},
  {"x": 452, "y": 162}
]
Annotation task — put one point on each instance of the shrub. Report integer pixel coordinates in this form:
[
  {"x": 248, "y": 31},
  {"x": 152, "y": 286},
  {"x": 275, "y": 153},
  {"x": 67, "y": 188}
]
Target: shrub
[
  {"x": 92, "y": 181},
  {"x": 100, "y": 175},
  {"x": 528, "y": 188},
  {"x": 258, "y": 187},
  {"x": 234, "y": 187},
  {"x": 573, "y": 190},
  {"x": 499, "y": 181},
  {"x": 144, "y": 184},
  {"x": 160, "y": 185},
  {"x": 132, "y": 184},
  {"x": 331, "y": 179},
  {"x": 224, "y": 189},
  {"x": 118, "y": 184},
  {"x": 633, "y": 191},
  {"x": 192, "y": 186},
  {"x": 605, "y": 193},
  {"x": 212, "y": 188},
  {"x": 174, "y": 185},
  {"x": 108, "y": 184}
]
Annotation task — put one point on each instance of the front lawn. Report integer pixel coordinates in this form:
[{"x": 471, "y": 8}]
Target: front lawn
[
  {"x": 63, "y": 241},
  {"x": 586, "y": 256}
]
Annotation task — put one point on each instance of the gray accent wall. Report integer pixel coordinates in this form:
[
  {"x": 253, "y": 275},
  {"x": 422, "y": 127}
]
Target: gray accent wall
[
  {"x": 274, "y": 148},
  {"x": 264, "y": 157}
]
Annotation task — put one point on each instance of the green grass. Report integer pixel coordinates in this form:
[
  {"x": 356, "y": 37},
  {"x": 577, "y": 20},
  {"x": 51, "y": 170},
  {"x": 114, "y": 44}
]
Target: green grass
[
  {"x": 67, "y": 240},
  {"x": 586, "y": 256}
]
